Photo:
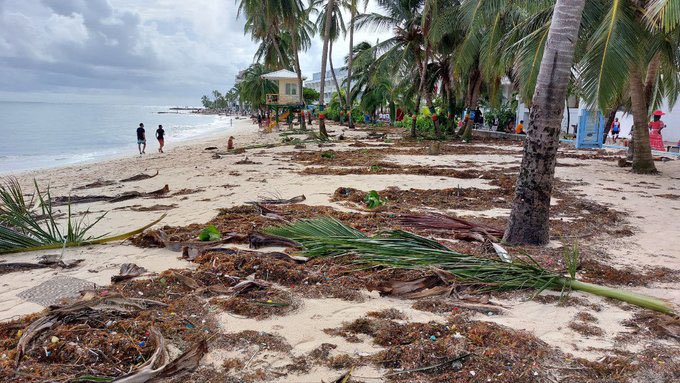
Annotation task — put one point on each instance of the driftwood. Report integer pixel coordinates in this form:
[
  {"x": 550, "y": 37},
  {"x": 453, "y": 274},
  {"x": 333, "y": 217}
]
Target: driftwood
[
  {"x": 51, "y": 261},
  {"x": 128, "y": 271},
  {"x": 96, "y": 184},
  {"x": 297, "y": 199},
  {"x": 57, "y": 201},
  {"x": 139, "y": 177}
]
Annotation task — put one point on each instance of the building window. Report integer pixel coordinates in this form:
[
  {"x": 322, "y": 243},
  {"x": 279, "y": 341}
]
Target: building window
[{"x": 291, "y": 89}]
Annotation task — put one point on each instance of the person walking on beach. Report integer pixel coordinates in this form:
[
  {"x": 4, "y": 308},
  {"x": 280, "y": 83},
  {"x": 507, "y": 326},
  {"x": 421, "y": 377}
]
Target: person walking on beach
[
  {"x": 160, "y": 134},
  {"x": 655, "y": 128},
  {"x": 141, "y": 139},
  {"x": 616, "y": 129}
]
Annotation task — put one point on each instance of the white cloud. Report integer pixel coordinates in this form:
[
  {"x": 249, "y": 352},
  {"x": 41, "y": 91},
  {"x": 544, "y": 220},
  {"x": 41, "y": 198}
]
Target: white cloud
[{"x": 163, "y": 49}]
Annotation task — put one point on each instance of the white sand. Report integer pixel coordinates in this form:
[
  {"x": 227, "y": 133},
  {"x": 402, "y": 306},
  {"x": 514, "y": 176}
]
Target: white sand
[{"x": 656, "y": 243}]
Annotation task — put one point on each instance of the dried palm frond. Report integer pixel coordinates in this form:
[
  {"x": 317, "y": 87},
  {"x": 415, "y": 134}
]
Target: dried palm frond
[
  {"x": 28, "y": 225},
  {"x": 329, "y": 237},
  {"x": 456, "y": 225}
]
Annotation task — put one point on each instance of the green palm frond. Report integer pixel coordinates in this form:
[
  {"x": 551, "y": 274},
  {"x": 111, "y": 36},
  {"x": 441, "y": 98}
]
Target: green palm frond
[
  {"x": 613, "y": 51},
  {"x": 664, "y": 14},
  {"x": 325, "y": 237},
  {"x": 34, "y": 225}
]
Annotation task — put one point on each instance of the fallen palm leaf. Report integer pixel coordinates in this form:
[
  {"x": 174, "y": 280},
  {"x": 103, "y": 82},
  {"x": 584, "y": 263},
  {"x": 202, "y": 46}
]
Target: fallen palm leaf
[
  {"x": 465, "y": 229},
  {"x": 58, "y": 245},
  {"x": 258, "y": 240},
  {"x": 329, "y": 237}
]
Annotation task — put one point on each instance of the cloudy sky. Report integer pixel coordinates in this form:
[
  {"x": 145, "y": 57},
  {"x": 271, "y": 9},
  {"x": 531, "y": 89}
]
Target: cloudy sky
[{"x": 152, "y": 51}]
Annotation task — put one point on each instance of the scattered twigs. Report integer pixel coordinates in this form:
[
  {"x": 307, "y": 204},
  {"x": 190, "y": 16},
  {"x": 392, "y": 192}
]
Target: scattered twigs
[
  {"x": 427, "y": 368},
  {"x": 79, "y": 310}
]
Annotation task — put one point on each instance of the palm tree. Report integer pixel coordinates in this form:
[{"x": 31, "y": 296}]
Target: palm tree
[
  {"x": 302, "y": 30},
  {"x": 253, "y": 89},
  {"x": 404, "y": 17},
  {"x": 528, "y": 222},
  {"x": 352, "y": 5},
  {"x": 282, "y": 26},
  {"x": 324, "y": 57},
  {"x": 337, "y": 28}
]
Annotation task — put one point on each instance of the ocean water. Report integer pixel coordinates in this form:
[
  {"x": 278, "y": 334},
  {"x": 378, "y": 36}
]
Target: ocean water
[{"x": 37, "y": 135}]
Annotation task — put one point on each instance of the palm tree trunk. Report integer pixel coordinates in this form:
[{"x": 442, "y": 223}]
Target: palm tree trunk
[
  {"x": 643, "y": 162},
  {"x": 415, "y": 117},
  {"x": 301, "y": 89},
  {"x": 529, "y": 219},
  {"x": 324, "y": 56},
  {"x": 472, "y": 105},
  {"x": 335, "y": 79},
  {"x": 348, "y": 102},
  {"x": 421, "y": 85}
]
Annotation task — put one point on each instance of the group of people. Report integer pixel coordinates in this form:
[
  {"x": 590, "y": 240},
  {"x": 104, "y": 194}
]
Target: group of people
[
  {"x": 655, "y": 128},
  {"x": 141, "y": 138}
]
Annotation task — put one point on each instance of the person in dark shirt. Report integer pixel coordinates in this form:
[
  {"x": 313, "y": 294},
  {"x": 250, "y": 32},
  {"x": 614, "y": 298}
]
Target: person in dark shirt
[
  {"x": 160, "y": 133},
  {"x": 141, "y": 139}
]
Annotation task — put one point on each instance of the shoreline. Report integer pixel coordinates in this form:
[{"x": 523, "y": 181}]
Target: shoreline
[{"x": 152, "y": 144}]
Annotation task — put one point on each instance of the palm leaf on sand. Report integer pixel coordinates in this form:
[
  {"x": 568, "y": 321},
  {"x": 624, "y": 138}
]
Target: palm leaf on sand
[
  {"x": 30, "y": 225},
  {"x": 325, "y": 237}
]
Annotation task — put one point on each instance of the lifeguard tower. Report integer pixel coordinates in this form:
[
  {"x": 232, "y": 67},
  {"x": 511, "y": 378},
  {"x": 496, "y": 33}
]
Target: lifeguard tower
[{"x": 287, "y": 100}]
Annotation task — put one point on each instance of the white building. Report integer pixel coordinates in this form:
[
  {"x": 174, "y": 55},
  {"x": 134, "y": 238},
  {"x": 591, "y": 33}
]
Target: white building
[{"x": 329, "y": 84}]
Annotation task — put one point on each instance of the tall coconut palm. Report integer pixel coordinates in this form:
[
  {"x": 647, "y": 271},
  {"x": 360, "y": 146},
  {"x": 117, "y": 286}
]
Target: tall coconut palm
[
  {"x": 275, "y": 22},
  {"x": 324, "y": 57},
  {"x": 337, "y": 29},
  {"x": 528, "y": 222},
  {"x": 253, "y": 89},
  {"x": 302, "y": 30},
  {"x": 405, "y": 18},
  {"x": 352, "y": 5},
  {"x": 630, "y": 52}
]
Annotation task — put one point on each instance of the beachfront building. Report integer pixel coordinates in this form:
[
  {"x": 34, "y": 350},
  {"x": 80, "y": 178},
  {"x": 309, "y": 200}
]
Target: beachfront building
[
  {"x": 329, "y": 85},
  {"x": 287, "y": 100}
]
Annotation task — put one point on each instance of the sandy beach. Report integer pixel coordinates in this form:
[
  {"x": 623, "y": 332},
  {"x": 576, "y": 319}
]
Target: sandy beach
[{"x": 642, "y": 244}]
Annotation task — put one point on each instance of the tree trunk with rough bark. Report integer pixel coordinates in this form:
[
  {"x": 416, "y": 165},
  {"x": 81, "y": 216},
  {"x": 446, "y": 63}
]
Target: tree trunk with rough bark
[
  {"x": 335, "y": 78},
  {"x": 348, "y": 103},
  {"x": 643, "y": 162},
  {"x": 324, "y": 56},
  {"x": 472, "y": 105},
  {"x": 529, "y": 219},
  {"x": 300, "y": 86}
]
